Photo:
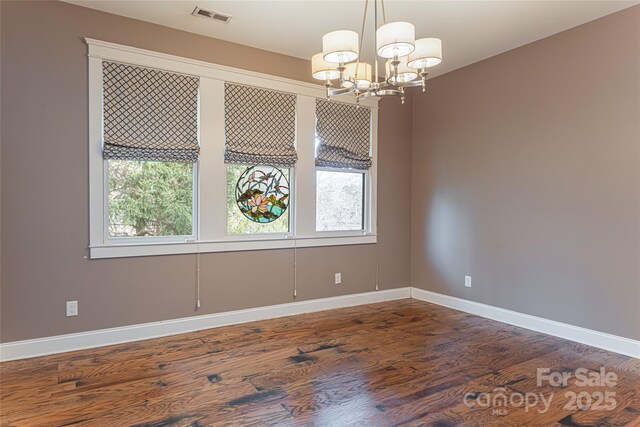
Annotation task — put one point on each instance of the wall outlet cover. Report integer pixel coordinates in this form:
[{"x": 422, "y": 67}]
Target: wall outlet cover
[
  {"x": 467, "y": 281},
  {"x": 72, "y": 308}
]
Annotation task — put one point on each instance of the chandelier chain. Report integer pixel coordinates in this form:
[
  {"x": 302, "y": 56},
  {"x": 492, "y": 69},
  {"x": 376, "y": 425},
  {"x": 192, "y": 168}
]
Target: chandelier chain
[
  {"x": 364, "y": 21},
  {"x": 384, "y": 15},
  {"x": 375, "y": 28}
]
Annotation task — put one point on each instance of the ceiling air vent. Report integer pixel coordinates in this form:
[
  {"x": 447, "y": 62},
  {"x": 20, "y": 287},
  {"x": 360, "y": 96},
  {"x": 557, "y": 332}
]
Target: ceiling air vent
[{"x": 211, "y": 14}]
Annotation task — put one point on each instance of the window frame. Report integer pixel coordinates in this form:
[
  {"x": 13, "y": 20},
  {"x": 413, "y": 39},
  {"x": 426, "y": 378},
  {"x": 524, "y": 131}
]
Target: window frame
[
  {"x": 152, "y": 239},
  {"x": 366, "y": 205},
  {"x": 210, "y": 172}
]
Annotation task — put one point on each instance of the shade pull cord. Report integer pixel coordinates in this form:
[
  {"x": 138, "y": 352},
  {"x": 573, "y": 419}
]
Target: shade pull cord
[
  {"x": 377, "y": 265},
  {"x": 377, "y": 246},
  {"x": 198, "y": 279},
  {"x": 374, "y": 215},
  {"x": 295, "y": 269}
]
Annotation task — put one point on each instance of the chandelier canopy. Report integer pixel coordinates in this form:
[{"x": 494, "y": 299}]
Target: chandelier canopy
[{"x": 406, "y": 59}]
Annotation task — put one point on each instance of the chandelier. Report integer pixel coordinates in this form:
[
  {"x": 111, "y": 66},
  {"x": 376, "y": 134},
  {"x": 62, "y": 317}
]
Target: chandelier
[{"x": 406, "y": 59}]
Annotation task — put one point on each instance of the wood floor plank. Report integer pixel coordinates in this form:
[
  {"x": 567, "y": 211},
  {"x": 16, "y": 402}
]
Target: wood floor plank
[{"x": 402, "y": 362}]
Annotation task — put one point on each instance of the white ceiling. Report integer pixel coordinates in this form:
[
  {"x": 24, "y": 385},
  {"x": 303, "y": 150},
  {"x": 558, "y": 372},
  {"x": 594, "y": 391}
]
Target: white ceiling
[{"x": 470, "y": 30}]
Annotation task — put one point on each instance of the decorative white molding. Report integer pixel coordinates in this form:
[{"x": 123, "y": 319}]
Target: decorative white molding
[
  {"x": 103, "y": 337},
  {"x": 169, "y": 248},
  {"x": 148, "y": 58},
  {"x": 590, "y": 337}
]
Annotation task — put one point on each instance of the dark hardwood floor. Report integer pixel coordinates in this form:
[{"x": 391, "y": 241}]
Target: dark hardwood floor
[{"x": 396, "y": 363}]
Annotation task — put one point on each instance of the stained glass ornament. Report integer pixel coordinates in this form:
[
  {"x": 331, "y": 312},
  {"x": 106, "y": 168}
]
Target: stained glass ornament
[{"x": 262, "y": 193}]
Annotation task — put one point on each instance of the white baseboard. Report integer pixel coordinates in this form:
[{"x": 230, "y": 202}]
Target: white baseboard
[
  {"x": 590, "y": 337},
  {"x": 103, "y": 337}
]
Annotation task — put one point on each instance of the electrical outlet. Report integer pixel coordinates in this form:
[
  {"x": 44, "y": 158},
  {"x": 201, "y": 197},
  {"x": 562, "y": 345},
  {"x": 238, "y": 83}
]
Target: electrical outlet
[
  {"x": 72, "y": 308},
  {"x": 467, "y": 281},
  {"x": 338, "y": 278}
]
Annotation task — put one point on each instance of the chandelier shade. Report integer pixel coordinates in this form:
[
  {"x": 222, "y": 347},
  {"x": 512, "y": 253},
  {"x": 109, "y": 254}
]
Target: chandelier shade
[
  {"x": 428, "y": 53},
  {"x": 404, "y": 73},
  {"x": 323, "y": 70},
  {"x": 395, "y": 39},
  {"x": 340, "y": 47},
  {"x": 363, "y": 78}
]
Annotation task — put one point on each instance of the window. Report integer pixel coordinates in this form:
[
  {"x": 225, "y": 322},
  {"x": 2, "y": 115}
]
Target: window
[
  {"x": 260, "y": 132},
  {"x": 150, "y": 198},
  {"x": 150, "y": 134},
  {"x": 343, "y": 158},
  {"x": 189, "y": 157},
  {"x": 339, "y": 200},
  {"x": 238, "y": 222}
]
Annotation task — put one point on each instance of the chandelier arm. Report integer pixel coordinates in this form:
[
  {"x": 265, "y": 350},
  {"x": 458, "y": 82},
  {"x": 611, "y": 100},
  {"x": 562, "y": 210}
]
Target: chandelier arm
[
  {"x": 421, "y": 81},
  {"x": 412, "y": 83},
  {"x": 369, "y": 94},
  {"x": 386, "y": 92},
  {"x": 341, "y": 91}
]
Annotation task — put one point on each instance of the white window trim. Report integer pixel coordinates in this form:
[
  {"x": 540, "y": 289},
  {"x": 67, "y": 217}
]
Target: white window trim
[{"x": 210, "y": 216}]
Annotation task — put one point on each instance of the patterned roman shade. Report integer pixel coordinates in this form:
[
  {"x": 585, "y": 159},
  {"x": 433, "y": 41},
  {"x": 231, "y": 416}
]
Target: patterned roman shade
[
  {"x": 149, "y": 114},
  {"x": 260, "y": 126},
  {"x": 344, "y": 134}
]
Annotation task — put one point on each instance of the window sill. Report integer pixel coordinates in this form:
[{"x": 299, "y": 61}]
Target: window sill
[{"x": 126, "y": 250}]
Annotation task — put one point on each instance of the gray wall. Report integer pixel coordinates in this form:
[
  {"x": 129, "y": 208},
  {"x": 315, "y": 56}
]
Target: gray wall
[
  {"x": 524, "y": 173},
  {"x": 44, "y": 178},
  {"x": 526, "y": 176}
]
